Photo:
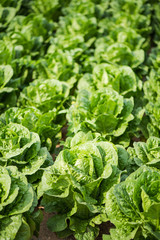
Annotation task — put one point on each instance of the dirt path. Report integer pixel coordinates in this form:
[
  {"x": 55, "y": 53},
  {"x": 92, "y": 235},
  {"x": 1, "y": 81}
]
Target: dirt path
[{"x": 45, "y": 233}]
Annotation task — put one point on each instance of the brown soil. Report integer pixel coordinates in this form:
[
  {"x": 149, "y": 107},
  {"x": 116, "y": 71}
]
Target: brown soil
[{"x": 46, "y": 234}]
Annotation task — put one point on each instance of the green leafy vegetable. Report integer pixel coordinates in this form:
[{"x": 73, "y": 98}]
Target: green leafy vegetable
[
  {"x": 133, "y": 206},
  {"x": 47, "y": 125},
  {"x": 21, "y": 148},
  {"x": 103, "y": 111},
  {"x": 45, "y": 95},
  {"x": 122, "y": 79},
  {"x": 75, "y": 188},
  {"x": 17, "y": 202},
  {"x": 146, "y": 153}
]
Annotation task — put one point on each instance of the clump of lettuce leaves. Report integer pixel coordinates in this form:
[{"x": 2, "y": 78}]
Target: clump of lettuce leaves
[
  {"x": 43, "y": 105},
  {"x": 146, "y": 153},
  {"x": 133, "y": 206},
  {"x": 7, "y": 91},
  {"x": 152, "y": 94},
  {"x": 21, "y": 148},
  {"x": 75, "y": 187},
  {"x": 47, "y": 125},
  {"x": 8, "y": 10},
  {"x": 17, "y": 203},
  {"x": 45, "y": 95},
  {"x": 103, "y": 111},
  {"x": 121, "y": 78}
]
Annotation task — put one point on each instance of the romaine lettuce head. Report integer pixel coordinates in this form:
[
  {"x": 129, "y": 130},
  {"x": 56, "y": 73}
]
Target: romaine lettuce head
[
  {"x": 152, "y": 94},
  {"x": 85, "y": 7},
  {"x": 146, "y": 153},
  {"x": 122, "y": 34},
  {"x": 47, "y": 125},
  {"x": 121, "y": 78},
  {"x": 21, "y": 148},
  {"x": 51, "y": 9},
  {"x": 45, "y": 95},
  {"x": 17, "y": 202},
  {"x": 103, "y": 111},
  {"x": 75, "y": 187},
  {"x": 118, "y": 53},
  {"x": 156, "y": 19},
  {"x": 133, "y": 206},
  {"x": 59, "y": 64},
  {"x": 88, "y": 8},
  {"x": 30, "y": 33},
  {"x": 7, "y": 91},
  {"x": 75, "y": 30},
  {"x": 132, "y": 13},
  {"x": 8, "y": 10},
  {"x": 22, "y": 65}
]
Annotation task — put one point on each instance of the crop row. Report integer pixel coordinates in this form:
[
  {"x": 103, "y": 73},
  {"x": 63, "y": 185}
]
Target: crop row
[{"x": 91, "y": 66}]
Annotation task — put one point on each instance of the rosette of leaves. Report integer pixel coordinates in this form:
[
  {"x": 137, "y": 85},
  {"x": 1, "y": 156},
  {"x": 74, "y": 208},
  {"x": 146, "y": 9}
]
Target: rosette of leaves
[
  {"x": 122, "y": 34},
  {"x": 156, "y": 18},
  {"x": 47, "y": 100},
  {"x": 17, "y": 203},
  {"x": 146, "y": 153},
  {"x": 8, "y": 10},
  {"x": 76, "y": 185},
  {"x": 30, "y": 33},
  {"x": 87, "y": 8},
  {"x": 59, "y": 64},
  {"x": 133, "y": 206},
  {"x": 45, "y": 95},
  {"x": 118, "y": 53},
  {"x": 76, "y": 32},
  {"x": 50, "y": 9},
  {"x": 21, "y": 148},
  {"x": 152, "y": 94},
  {"x": 153, "y": 60},
  {"x": 7, "y": 92},
  {"x": 22, "y": 65},
  {"x": 103, "y": 111},
  {"x": 45, "y": 124},
  {"x": 121, "y": 78},
  {"x": 136, "y": 15}
]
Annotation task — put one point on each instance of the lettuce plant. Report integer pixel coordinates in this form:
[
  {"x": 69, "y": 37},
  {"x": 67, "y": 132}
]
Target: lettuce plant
[
  {"x": 118, "y": 53},
  {"x": 17, "y": 202},
  {"x": 7, "y": 91},
  {"x": 21, "y": 148},
  {"x": 103, "y": 111},
  {"x": 75, "y": 187},
  {"x": 121, "y": 78},
  {"x": 47, "y": 125},
  {"x": 59, "y": 64},
  {"x": 76, "y": 31},
  {"x": 152, "y": 94},
  {"x": 43, "y": 103},
  {"x": 133, "y": 206},
  {"x": 136, "y": 15},
  {"x": 156, "y": 19},
  {"x": 45, "y": 95},
  {"x": 50, "y": 9},
  {"x": 30, "y": 34},
  {"x": 146, "y": 153},
  {"x": 8, "y": 10}
]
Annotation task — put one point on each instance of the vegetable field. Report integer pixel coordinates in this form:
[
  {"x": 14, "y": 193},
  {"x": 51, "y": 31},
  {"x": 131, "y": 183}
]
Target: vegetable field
[{"x": 80, "y": 119}]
